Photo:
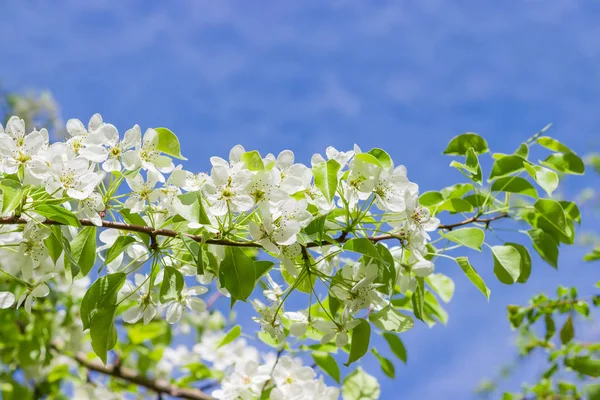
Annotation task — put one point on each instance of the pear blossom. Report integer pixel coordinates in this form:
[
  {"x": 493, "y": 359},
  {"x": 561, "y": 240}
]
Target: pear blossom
[
  {"x": 143, "y": 192},
  {"x": 40, "y": 289},
  {"x": 146, "y": 155},
  {"x": 139, "y": 293},
  {"x": 88, "y": 143},
  {"x": 91, "y": 207},
  {"x": 72, "y": 176},
  {"x": 269, "y": 320},
  {"x": 187, "y": 299},
  {"x": 225, "y": 190},
  {"x": 299, "y": 320},
  {"x": 32, "y": 248},
  {"x": 364, "y": 292},
  {"x": 20, "y": 150},
  {"x": 116, "y": 148},
  {"x": 246, "y": 382},
  {"x": 339, "y": 331}
]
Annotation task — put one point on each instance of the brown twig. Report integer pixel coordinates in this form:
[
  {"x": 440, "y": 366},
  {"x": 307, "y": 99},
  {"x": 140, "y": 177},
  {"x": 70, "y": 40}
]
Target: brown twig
[
  {"x": 154, "y": 233},
  {"x": 159, "y": 386}
]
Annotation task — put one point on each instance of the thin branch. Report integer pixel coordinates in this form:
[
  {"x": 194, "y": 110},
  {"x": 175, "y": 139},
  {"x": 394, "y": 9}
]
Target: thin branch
[
  {"x": 154, "y": 233},
  {"x": 159, "y": 386}
]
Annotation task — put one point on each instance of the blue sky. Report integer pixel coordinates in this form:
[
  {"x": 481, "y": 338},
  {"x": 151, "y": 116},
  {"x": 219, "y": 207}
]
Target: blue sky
[{"x": 404, "y": 76}]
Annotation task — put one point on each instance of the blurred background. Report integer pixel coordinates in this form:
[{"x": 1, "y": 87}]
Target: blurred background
[{"x": 403, "y": 76}]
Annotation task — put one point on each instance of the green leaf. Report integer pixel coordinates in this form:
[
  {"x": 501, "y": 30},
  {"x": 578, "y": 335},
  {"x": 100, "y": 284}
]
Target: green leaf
[
  {"x": 553, "y": 144},
  {"x": 567, "y": 332},
  {"x": 455, "y": 205},
  {"x": 172, "y": 285},
  {"x": 396, "y": 346},
  {"x": 584, "y": 365},
  {"x": 472, "y": 164},
  {"x": 58, "y": 214},
  {"x": 139, "y": 333},
  {"x": 361, "y": 335},
  {"x": 362, "y": 246},
  {"x": 418, "y": 299},
  {"x": 54, "y": 243},
  {"x": 552, "y": 220},
  {"x": 384, "y": 158},
  {"x": 386, "y": 365},
  {"x": 429, "y": 199},
  {"x": 456, "y": 191},
  {"x": 98, "y": 309},
  {"x": 593, "y": 255},
  {"x": 326, "y": 178},
  {"x": 101, "y": 294},
  {"x": 135, "y": 219},
  {"x": 525, "y": 266},
  {"x": 83, "y": 249},
  {"x": 233, "y": 334},
  {"x": 327, "y": 363},
  {"x": 522, "y": 151},
  {"x": 544, "y": 177},
  {"x": 391, "y": 320},
  {"x": 459, "y": 145},
  {"x": 253, "y": 160},
  {"x": 545, "y": 245},
  {"x": 195, "y": 250},
  {"x": 261, "y": 267},
  {"x": 507, "y": 263},
  {"x": 469, "y": 237},
  {"x": 550, "y": 327},
  {"x": 465, "y": 265},
  {"x": 117, "y": 248},
  {"x": 168, "y": 143},
  {"x": 514, "y": 184},
  {"x": 103, "y": 332},
  {"x": 360, "y": 386},
  {"x": 442, "y": 285},
  {"x": 237, "y": 274},
  {"x": 571, "y": 210},
  {"x": 507, "y": 165},
  {"x": 569, "y": 163},
  {"x": 12, "y": 195}
]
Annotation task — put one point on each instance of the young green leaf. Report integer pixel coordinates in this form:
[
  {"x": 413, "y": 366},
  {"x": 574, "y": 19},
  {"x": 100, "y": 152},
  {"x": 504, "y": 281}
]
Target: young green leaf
[
  {"x": 507, "y": 165},
  {"x": 253, "y": 160},
  {"x": 101, "y": 294},
  {"x": 396, "y": 346},
  {"x": 545, "y": 245},
  {"x": 172, "y": 285},
  {"x": 569, "y": 163},
  {"x": 465, "y": 265},
  {"x": 361, "y": 335},
  {"x": 83, "y": 249},
  {"x": 326, "y": 178},
  {"x": 552, "y": 220},
  {"x": 507, "y": 263},
  {"x": 525, "y": 261},
  {"x": 514, "y": 184},
  {"x": 418, "y": 299},
  {"x": 58, "y": 214},
  {"x": 384, "y": 158},
  {"x": 429, "y": 199},
  {"x": 360, "y": 386},
  {"x": 12, "y": 195},
  {"x": 469, "y": 237},
  {"x": 117, "y": 248},
  {"x": 442, "y": 285},
  {"x": 386, "y": 365},
  {"x": 391, "y": 320},
  {"x": 459, "y": 145},
  {"x": 168, "y": 143},
  {"x": 545, "y": 177},
  {"x": 233, "y": 334},
  {"x": 237, "y": 274},
  {"x": 362, "y": 246},
  {"x": 327, "y": 363},
  {"x": 584, "y": 365},
  {"x": 567, "y": 332}
]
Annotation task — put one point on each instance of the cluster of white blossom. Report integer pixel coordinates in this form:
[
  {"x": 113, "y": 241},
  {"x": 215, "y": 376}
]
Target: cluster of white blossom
[{"x": 268, "y": 200}]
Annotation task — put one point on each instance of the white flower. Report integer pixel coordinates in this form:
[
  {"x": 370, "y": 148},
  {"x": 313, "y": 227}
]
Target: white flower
[
  {"x": 389, "y": 191},
  {"x": 225, "y": 356},
  {"x": 335, "y": 330},
  {"x": 39, "y": 290},
  {"x": 275, "y": 291},
  {"x": 20, "y": 150},
  {"x": 90, "y": 207},
  {"x": 299, "y": 322},
  {"x": 187, "y": 299},
  {"x": 342, "y": 157},
  {"x": 141, "y": 294},
  {"x": 281, "y": 225},
  {"x": 88, "y": 143},
  {"x": 7, "y": 299},
  {"x": 246, "y": 382},
  {"x": 269, "y": 320},
  {"x": 143, "y": 192},
  {"x": 364, "y": 293},
  {"x": 294, "y": 177},
  {"x": 147, "y": 156},
  {"x": 32, "y": 248},
  {"x": 226, "y": 190},
  {"x": 117, "y": 148},
  {"x": 73, "y": 176},
  {"x": 264, "y": 188}
]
